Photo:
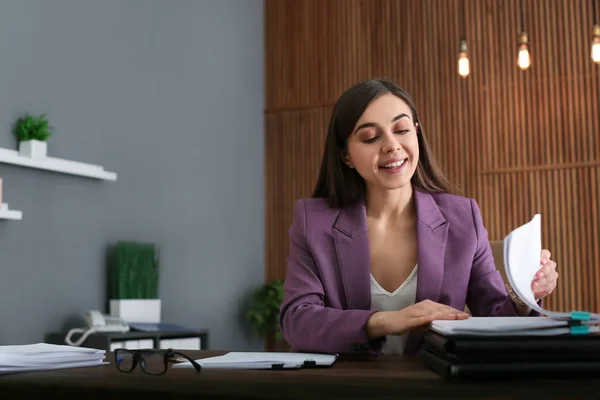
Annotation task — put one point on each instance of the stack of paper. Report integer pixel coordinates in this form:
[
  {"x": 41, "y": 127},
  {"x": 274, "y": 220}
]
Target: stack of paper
[
  {"x": 522, "y": 260},
  {"x": 263, "y": 360},
  {"x": 509, "y": 326},
  {"x": 43, "y": 356}
]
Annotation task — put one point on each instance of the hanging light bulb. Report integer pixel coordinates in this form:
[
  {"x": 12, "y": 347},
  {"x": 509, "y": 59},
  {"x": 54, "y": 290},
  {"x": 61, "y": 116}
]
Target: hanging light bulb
[
  {"x": 463, "y": 59},
  {"x": 523, "y": 58},
  {"x": 596, "y": 44},
  {"x": 595, "y": 35}
]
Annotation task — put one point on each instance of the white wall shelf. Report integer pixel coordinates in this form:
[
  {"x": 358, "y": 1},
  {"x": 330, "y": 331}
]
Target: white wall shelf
[
  {"x": 6, "y": 213},
  {"x": 9, "y": 156}
]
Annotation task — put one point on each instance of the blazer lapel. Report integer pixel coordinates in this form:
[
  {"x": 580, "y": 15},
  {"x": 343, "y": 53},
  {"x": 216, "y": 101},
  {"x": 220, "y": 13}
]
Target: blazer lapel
[
  {"x": 352, "y": 249},
  {"x": 432, "y": 235}
]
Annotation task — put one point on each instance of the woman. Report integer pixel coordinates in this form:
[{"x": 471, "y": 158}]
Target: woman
[{"x": 383, "y": 248}]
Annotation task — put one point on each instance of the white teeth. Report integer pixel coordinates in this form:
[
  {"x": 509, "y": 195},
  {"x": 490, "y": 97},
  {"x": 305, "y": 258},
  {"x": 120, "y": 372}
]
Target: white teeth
[{"x": 394, "y": 164}]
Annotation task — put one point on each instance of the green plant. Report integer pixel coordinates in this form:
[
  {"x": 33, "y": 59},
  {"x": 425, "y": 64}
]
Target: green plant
[
  {"x": 263, "y": 312},
  {"x": 133, "y": 270},
  {"x": 32, "y": 128}
]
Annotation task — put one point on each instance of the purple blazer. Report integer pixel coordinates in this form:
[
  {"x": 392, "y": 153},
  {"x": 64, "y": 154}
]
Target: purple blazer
[{"x": 327, "y": 287}]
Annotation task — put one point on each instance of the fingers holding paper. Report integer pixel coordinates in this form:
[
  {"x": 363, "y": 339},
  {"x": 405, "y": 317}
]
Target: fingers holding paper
[{"x": 545, "y": 279}]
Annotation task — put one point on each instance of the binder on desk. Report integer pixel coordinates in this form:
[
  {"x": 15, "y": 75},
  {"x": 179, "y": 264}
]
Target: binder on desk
[
  {"x": 515, "y": 348},
  {"x": 484, "y": 368},
  {"x": 544, "y": 351},
  {"x": 264, "y": 360}
]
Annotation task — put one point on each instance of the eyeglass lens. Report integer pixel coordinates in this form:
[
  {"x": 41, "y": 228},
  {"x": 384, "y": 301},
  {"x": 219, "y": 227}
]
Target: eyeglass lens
[
  {"x": 124, "y": 360},
  {"x": 153, "y": 363}
]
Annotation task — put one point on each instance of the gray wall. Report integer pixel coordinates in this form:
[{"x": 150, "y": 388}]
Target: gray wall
[{"x": 169, "y": 94}]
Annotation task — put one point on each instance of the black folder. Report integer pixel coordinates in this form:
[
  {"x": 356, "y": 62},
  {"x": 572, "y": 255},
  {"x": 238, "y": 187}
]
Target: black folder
[
  {"x": 489, "y": 357},
  {"x": 485, "y": 369},
  {"x": 567, "y": 347}
]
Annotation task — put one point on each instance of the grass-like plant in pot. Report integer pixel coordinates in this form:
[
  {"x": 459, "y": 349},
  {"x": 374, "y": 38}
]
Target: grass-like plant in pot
[
  {"x": 263, "y": 311},
  {"x": 32, "y": 132},
  {"x": 133, "y": 281}
]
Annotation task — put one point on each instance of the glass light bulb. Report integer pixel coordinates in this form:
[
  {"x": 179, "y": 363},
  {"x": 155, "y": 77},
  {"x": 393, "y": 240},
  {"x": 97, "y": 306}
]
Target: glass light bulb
[
  {"x": 596, "y": 52},
  {"x": 463, "y": 65},
  {"x": 524, "y": 60},
  {"x": 596, "y": 44}
]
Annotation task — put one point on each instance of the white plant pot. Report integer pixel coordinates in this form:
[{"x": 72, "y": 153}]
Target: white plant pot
[
  {"x": 33, "y": 148},
  {"x": 136, "y": 310}
]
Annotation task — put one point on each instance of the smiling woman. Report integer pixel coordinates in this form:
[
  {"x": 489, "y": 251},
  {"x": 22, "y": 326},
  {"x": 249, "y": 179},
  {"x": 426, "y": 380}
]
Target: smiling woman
[{"x": 384, "y": 247}]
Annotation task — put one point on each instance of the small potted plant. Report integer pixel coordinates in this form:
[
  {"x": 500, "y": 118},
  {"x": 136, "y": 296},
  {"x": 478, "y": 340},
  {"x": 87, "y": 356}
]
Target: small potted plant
[
  {"x": 32, "y": 132},
  {"x": 133, "y": 281},
  {"x": 263, "y": 311}
]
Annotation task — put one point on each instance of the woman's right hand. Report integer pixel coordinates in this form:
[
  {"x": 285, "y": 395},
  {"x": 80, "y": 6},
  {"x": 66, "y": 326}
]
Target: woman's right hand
[{"x": 418, "y": 315}]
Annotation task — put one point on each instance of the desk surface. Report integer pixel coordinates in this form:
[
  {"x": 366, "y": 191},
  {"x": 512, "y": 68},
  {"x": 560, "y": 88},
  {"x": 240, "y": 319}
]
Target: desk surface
[{"x": 356, "y": 377}]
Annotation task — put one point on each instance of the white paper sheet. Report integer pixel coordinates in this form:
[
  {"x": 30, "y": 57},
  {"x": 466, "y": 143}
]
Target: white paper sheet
[
  {"x": 261, "y": 360},
  {"x": 522, "y": 256}
]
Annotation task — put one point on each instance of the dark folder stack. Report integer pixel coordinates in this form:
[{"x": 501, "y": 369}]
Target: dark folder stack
[{"x": 493, "y": 357}]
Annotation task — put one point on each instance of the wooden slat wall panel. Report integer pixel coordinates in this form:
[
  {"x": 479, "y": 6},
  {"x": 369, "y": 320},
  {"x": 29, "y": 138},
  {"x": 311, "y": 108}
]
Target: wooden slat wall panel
[
  {"x": 520, "y": 142},
  {"x": 294, "y": 146}
]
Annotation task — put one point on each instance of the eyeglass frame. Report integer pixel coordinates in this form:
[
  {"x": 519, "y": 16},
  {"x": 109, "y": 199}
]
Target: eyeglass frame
[{"x": 168, "y": 356}]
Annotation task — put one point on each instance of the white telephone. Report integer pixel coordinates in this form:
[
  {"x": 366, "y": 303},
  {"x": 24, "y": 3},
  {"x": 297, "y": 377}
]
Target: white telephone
[{"x": 96, "y": 323}]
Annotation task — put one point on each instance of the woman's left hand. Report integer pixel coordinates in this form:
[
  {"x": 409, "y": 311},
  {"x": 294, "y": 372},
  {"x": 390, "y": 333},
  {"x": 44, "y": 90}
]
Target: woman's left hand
[{"x": 545, "y": 279}]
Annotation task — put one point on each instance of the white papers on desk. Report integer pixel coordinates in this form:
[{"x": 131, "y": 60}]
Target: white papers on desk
[
  {"x": 262, "y": 360},
  {"x": 44, "y": 356},
  {"x": 522, "y": 257},
  {"x": 505, "y": 326}
]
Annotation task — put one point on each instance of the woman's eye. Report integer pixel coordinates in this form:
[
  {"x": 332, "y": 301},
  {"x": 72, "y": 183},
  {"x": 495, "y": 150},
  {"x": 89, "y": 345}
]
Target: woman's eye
[
  {"x": 402, "y": 132},
  {"x": 371, "y": 140}
]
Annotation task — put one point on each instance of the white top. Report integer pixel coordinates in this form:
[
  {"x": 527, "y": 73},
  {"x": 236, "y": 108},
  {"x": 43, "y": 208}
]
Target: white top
[{"x": 382, "y": 300}]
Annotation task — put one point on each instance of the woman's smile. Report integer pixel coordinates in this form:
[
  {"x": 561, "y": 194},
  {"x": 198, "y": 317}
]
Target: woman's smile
[{"x": 394, "y": 166}]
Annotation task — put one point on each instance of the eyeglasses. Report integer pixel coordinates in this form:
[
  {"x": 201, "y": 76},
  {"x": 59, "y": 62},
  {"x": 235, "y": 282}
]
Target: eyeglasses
[{"x": 152, "y": 361}]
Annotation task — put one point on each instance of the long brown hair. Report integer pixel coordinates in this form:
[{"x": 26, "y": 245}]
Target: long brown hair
[{"x": 341, "y": 185}]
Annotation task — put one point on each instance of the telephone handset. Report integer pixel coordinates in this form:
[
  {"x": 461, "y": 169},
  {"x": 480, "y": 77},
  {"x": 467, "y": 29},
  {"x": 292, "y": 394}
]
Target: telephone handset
[{"x": 97, "y": 322}]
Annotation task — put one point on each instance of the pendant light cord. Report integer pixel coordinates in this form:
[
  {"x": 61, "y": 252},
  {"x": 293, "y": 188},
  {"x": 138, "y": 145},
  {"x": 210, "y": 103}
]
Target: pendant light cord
[
  {"x": 462, "y": 15},
  {"x": 522, "y": 17}
]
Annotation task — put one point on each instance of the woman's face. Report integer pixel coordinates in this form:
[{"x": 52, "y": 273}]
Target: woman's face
[{"x": 383, "y": 147}]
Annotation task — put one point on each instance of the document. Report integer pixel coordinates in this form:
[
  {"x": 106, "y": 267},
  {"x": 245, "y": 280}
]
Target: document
[
  {"x": 263, "y": 360},
  {"x": 44, "y": 356},
  {"x": 522, "y": 256},
  {"x": 507, "y": 326}
]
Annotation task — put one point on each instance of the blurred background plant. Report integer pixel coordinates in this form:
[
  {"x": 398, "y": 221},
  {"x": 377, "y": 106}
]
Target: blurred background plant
[
  {"x": 263, "y": 311},
  {"x": 134, "y": 270}
]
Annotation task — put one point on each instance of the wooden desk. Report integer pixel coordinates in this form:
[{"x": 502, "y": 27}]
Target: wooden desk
[{"x": 372, "y": 378}]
